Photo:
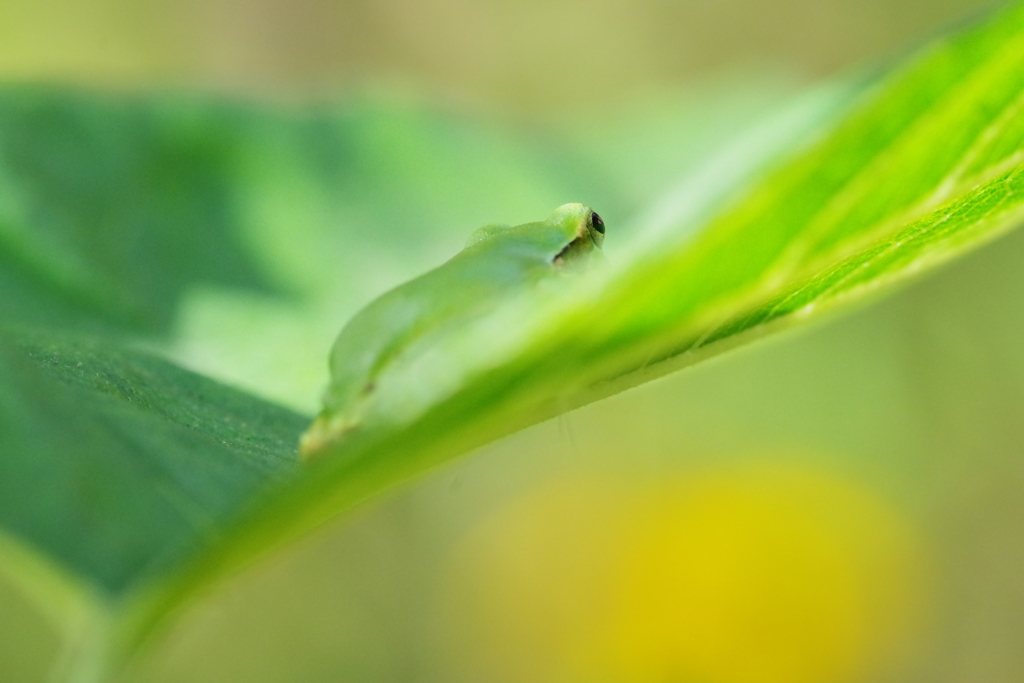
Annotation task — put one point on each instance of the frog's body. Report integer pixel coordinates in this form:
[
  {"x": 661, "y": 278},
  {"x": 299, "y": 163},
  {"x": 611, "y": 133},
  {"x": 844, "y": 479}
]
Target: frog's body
[{"x": 498, "y": 262}]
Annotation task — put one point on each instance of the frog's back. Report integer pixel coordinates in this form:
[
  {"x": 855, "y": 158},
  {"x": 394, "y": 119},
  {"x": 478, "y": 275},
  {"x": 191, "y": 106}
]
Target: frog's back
[{"x": 494, "y": 265}]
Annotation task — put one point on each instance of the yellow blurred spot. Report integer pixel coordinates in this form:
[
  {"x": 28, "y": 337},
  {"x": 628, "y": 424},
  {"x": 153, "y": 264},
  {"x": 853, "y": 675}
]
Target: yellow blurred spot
[{"x": 761, "y": 576}]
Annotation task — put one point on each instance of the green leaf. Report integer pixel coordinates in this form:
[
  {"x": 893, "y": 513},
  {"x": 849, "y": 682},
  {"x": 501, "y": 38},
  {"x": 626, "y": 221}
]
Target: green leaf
[
  {"x": 119, "y": 467},
  {"x": 926, "y": 166},
  {"x": 111, "y": 206}
]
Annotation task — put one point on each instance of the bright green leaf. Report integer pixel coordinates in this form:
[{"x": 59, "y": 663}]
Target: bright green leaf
[{"x": 928, "y": 165}]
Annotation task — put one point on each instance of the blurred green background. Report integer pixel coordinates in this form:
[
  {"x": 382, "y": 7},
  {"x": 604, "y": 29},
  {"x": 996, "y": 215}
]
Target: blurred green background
[{"x": 842, "y": 503}]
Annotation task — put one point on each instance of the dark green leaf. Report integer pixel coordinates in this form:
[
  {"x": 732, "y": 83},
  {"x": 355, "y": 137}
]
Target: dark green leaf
[
  {"x": 118, "y": 465},
  {"x": 111, "y": 206}
]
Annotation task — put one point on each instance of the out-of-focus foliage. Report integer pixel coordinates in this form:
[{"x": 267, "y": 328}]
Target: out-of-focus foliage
[{"x": 111, "y": 206}]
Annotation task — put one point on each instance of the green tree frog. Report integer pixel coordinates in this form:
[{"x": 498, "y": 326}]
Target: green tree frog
[{"x": 498, "y": 262}]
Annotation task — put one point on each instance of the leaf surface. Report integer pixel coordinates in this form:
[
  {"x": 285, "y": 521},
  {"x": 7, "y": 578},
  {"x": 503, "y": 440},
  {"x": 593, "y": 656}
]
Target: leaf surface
[
  {"x": 118, "y": 465},
  {"x": 111, "y": 206},
  {"x": 926, "y": 166}
]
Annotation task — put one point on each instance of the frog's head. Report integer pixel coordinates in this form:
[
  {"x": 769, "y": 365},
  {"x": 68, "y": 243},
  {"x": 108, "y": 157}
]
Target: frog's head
[{"x": 583, "y": 228}]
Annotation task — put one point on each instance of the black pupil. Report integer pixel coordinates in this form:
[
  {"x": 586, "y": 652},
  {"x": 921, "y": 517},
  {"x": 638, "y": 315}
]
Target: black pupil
[{"x": 597, "y": 223}]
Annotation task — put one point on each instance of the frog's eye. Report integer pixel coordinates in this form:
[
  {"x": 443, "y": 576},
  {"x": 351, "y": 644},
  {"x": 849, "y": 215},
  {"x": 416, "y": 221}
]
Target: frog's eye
[{"x": 596, "y": 222}]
